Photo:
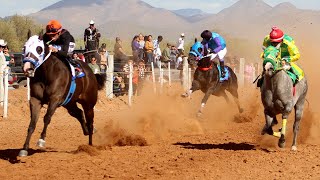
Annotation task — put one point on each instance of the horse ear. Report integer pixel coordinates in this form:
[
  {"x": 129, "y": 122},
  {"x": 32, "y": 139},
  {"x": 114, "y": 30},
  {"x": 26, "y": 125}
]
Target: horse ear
[
  {"x": 195, "y": 40},
  {"x": 41, "y": 35},
  {"x": 29, "y": 34}
]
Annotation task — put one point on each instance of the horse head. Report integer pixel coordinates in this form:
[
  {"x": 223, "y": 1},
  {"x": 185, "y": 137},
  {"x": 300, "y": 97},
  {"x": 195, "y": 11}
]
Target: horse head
[
  {"x": 195, "y": 54},
  {"x": 271, "y": 60},
  {"x": 33, "y": 55}
]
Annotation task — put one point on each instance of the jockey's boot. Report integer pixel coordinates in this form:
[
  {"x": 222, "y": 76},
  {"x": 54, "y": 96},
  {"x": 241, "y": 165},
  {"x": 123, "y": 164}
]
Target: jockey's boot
[
  {"x": 223, "y": 72},
  {"x": 78, "y": 71}
]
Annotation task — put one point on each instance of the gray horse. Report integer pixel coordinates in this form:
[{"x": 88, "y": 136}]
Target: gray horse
[{"x": 279, "y": 95}]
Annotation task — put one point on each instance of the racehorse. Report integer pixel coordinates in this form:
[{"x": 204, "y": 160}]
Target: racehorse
[
  {"x": 51, "y": 84},
  {"x": 207, "y": 78},
  {"x": 279, "y": 95}
]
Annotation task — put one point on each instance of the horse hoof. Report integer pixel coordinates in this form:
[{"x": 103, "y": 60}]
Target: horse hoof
[
  {"x": 41, "y": 143},
  {"x": 199, "y": 114},
  {"x": 184, "y": 95},
  {"x": 23, "y": 153},
  {"x": 281, "y": 143},
  {"x": 294, "y": 148},
  {"x": 94, "y": 130}
]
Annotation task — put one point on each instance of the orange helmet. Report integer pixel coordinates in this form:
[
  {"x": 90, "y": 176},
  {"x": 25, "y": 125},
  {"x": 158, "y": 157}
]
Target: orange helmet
[
  {"x": 276, "y": 35},
  {"x": 53, "y": 27}
]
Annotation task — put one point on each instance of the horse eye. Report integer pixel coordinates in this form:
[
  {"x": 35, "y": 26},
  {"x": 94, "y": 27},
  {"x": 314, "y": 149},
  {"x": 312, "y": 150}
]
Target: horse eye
[{"x": 39, "y": 49}]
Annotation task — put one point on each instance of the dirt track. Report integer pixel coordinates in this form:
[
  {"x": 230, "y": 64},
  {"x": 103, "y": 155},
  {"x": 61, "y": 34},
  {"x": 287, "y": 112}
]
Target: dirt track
[{"x": 175, "y": 144}]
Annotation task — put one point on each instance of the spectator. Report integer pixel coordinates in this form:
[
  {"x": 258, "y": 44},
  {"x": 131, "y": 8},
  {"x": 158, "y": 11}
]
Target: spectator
[
  {"x": 126, "y": 70},
  {"x": 81, "y": 57},
  {"x": 75, "y": 56},
  {"x": 174, "y": 54},
  {"x": 103, "y": 58},
  {"x": 119, "y": 56},
  {"x": 180, "y": 45},
  {"x": 6, "y": 54},
  {"x": 149, "y": 49},
  {"x": 118, "y": 85},
  {"x": 157, "y": 50},
  {"x": 135, "y": 79},
  {"x": 2, "y": 57},
  {"x": 141, "y": 46},
  {"x": 179, "y": 61},
  {"x": 91, "y": 37},
  {"x": 166, "y": 54},
  {"x": 12, "y": 62},
  {"x": 135, "y": 48},
  {"x": 94, "y": 66}
]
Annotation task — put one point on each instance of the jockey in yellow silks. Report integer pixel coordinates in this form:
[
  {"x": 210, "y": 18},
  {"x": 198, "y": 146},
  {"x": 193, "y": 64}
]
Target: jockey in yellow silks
[{"x": 289, "y": 52}]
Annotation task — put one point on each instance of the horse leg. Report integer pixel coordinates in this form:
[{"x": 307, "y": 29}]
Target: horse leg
[
  {"x": 224, "y": 95},
  {"x": 206, "y": 97},
  {"x": 270, "y": 120},
  {"x": 52, "y": 106},
  {"x": 35, "y": 106},
  {"x": 89, "y": 114},
  {"x": 298, "y": 115},
  {"x": 76, "y": 112},
  {"x": 195, "y": 86},
  {"x": 234, "y": 93}
]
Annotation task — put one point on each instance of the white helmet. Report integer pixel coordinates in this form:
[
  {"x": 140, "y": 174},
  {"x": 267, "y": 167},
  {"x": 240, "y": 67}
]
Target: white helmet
[
  {"x": 182, "y": 34},
  {"x": 3, "y": 42},
  {"x": 91, "y": 22}
]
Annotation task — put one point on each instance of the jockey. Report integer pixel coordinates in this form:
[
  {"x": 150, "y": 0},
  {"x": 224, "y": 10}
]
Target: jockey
[
  {"x": 62, "y": 43},
  {"x": 216, "y": 45},
  {"x": 289, "y": 52}
]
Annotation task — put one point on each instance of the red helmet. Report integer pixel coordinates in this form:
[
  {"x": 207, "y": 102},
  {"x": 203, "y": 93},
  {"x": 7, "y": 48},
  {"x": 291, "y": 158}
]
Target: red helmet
[
  {"x": 276, "y": 35},
  {"x": 53, "y": 27}
]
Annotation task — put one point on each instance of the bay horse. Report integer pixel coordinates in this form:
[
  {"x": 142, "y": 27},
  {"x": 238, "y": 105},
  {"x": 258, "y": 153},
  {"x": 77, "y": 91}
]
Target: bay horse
[
  {"x": 50, "y": 83},
  {"x": 279, "y": 95},
  {"x": 207, "y": 78}
]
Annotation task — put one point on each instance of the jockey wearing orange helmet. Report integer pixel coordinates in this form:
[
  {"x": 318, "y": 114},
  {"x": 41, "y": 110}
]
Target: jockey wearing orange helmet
[{"x": 61, "y": 43}]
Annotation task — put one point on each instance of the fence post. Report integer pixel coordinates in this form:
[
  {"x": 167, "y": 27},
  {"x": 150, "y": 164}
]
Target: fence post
[
  {"x": 169, "y": 73},
  {"x": 185, "y": 74},
  {"x": 189, "y": 78},
  {"x": 130, "y": 92},
  {"x": 153, "y": 78},
  {"x": 109, "y": 77},
  {"x": 28, "y": 88},
  {"x": 241, "y": 71},
  {"x": 6, "y": 86},
  {"x": 1, "y": 86}
]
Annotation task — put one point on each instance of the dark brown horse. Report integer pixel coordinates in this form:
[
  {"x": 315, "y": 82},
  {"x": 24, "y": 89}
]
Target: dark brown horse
[
  {"x": 50, "y": 84},
  {"x": 207, "y": 79}
]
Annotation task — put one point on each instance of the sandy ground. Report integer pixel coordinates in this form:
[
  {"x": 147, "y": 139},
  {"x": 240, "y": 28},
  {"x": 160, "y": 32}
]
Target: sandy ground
[{"x": 159, "y": 137}]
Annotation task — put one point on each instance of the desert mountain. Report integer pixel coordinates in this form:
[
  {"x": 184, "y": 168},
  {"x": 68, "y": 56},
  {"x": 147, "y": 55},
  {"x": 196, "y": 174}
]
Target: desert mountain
[
  {"x": 114, "y": 17},
  {"x": 247, "y": 20}
]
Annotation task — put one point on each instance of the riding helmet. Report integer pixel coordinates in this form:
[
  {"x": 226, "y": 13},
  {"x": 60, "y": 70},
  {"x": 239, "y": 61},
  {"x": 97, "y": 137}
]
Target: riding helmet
[
  {"x": 276, "y": 35},
  {"x": 206, "y": 34},
  {"x": 53, "y": 27}
]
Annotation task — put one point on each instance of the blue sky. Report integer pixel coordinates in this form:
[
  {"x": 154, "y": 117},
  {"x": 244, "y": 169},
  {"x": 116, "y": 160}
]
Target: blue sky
[{"x": 10, "y": 7}]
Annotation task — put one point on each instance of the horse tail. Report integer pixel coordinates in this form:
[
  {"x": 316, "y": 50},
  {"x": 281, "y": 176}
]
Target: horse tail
[{"x": 101, "y": 79}]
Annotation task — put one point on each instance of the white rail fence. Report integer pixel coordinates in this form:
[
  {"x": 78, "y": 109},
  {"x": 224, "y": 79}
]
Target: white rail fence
[{"x": 156, "y": 74}]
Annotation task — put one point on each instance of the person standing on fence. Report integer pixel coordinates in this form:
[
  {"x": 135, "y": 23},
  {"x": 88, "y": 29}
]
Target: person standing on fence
[
  {"x": 149, "y": 49},
  {"x": 180, "y": 44},
  {"x": 166, "y": 54},
  {"x": 141, "y": 46},
  {"x": 157, "y": 50},
  {"x": 104, "y": 58},
  {"x": 119, "y": 56},
  {"x": 135, "y": 48},
  {"x": 91, "y": 37}
]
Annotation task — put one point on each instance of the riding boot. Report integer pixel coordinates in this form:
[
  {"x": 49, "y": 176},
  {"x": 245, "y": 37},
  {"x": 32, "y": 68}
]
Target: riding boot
[
  {"x": 223, "y": 72},
  {"x": 78, "y": 71}
]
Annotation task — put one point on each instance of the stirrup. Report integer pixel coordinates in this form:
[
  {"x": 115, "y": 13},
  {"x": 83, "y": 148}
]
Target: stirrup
[{"x": 80, "y": 74}]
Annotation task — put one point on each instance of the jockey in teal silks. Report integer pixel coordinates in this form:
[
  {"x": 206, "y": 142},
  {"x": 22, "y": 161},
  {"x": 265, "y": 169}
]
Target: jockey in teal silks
[{"x": 215, "y": 45}]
